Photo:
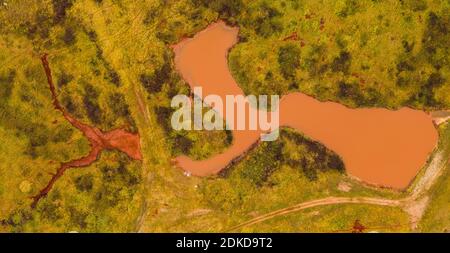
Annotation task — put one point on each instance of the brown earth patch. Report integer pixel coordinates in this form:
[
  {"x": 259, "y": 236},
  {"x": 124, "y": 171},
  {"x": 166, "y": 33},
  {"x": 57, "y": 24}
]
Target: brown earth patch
[{"x": 118, "y": 139}]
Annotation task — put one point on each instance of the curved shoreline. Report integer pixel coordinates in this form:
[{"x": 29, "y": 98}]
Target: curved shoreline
[{"x": 379, "y": 146}]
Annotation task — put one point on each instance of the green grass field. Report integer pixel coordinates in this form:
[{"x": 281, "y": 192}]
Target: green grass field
[{"x": 113, "y": 67}]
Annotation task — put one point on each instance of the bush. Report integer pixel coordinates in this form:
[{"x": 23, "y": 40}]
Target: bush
[
  {"x": 183, "y": 144},
  {"x": 37, "y": 134},
  {"x": 93, "y": 110},
  {"x": 59, "y": 9},
  {"x": 18, "y": 218},
  {"x": 151, "y": 15},
  {"x": 6, "y": 85},
  {"x": 225, "y": 8},
  {"x": 349, "y": 8},
  {"x": 118, "y": 105},
  {"x": 266, "y": 24},
  {"x": 150, "y": 83},
  {"x": 342, "y": 62},
  {"x": 308, "y": 155},
  {"x": 62, "y": 134},
  {"x": 415, "y": 5},
  {"x": 289, "y": 60},
  {"x": 350, "y": 91},
  {"x": 163, "y": 116},
  {"x": 113, "y": 77},
  {"x": 84, "y": 183},
  {"x": 154, "y": 83},
  {"x": 426, "y": 93},
  {"x": 336, "y": 163},
  {"x": 64, "y": 79},
  {"x": 262, "y": 163},
  {"x": 435, "y": 39},
  {"x": 69, "y": 36},
  {"x": 41, "y": 27},
  {"x": 69, "y": 105},
  {"x": 117, "y": 179}
]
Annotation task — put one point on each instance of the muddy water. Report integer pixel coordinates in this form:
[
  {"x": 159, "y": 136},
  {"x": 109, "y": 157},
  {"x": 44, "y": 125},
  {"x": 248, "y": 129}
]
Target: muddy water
[
  {"x": 378, "y": 146},
  {"x": 119, "y": 139}
]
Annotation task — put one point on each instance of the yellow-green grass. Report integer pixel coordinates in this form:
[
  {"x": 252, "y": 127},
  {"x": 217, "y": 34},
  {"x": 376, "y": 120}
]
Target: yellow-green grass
[
  {"x": 336, "y": 218},
  {"x": 133, "y": 42},
  {"x": 437, "y": 214}
]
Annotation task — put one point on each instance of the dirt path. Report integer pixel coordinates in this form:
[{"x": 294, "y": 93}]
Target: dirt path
[
  {"x": 440, "y": 117},
  {"x": 379, "y": 146},
  {"x": 414, "y": 204},
  {"x": 118, "y": 139},
  {"x": 402, "y": 140},
  {"x": 144, "y": 111},
  {"x": 315, "y": 203}
]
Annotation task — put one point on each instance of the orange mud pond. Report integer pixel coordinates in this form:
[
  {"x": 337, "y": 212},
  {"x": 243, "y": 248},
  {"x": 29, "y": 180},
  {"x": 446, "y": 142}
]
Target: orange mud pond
[{"x": 378, "y": 146}]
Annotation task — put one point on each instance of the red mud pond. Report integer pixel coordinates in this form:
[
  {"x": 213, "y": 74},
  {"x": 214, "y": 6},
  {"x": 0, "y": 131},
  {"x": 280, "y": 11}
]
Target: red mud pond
[{"x": 379, "y": 146}]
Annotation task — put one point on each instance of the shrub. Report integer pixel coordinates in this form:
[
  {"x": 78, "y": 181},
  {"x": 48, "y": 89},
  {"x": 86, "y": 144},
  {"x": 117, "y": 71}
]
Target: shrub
[
  {"x": 69, "y": 36},
  {"x": 84, "y": 183},
  {"x": 113, "y": 77},
  {"x": 64, "y": 79},
  {"x": 350, "y": 91},
  {"x": 69, "y": 105},
  {"x": 150, "y": 83},
  {"x": 289, "y": 60},
  {"x": 350, "y": 7},
  {"x": 266, "y": 24},
  {"x": 342, "y": 62},
  {"x": 37, "y": 134},
  {"x": 415, "y": 5},
  {"x": 183, "y": 144},
  {"x": 225, "y": 8},
  {"x": 118, "y": 105},
  {"x": 93, "y": 110},
  {"x": 163, "y": 115},
  {"x": 59, "y": 9},
  {"x": 262, "y": 163},
  {"x": 154, "y": 83},
  {"x": 6, "y": 85},
  {"x": 62, "y": 134}
]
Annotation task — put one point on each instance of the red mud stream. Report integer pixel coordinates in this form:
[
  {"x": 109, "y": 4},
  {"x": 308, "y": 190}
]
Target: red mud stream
[
  {"x": 116, "y": 139},
  {"x": 379, "y": 146}
]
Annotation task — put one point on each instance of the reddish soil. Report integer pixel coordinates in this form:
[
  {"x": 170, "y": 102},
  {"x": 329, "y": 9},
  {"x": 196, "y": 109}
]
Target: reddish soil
[
  {"x": 293, "y": 36},
  {"x": 119, "y": 139},
  {"x": 379, "y": 146}
]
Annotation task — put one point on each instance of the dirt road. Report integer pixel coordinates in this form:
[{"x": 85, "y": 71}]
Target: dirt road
[{"x": 414, "y": 204}]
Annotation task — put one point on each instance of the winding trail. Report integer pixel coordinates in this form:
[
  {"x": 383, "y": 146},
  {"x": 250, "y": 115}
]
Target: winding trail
[
  {"x": 414, "y": 204},
  {"x": 315, "y": 203},
  {"x": 118, "y": 139},
  {"x": 380, "y": 146}
]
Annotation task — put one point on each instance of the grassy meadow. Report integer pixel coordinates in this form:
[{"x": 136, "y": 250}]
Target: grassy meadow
[{"x": 113, "y": 67}]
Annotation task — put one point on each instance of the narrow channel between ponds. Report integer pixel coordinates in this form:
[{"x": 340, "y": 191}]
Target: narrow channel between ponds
[{"x": 379, "y": 146}]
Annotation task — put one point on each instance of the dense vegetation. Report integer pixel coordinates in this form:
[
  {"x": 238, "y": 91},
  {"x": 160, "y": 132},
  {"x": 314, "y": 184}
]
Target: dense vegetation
[
  {"x": 292, "y": 153},
  {"x": 113, "y": 66},
  {"x": 359, "y": 53},
  {"x": 293, "y": 150}
]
